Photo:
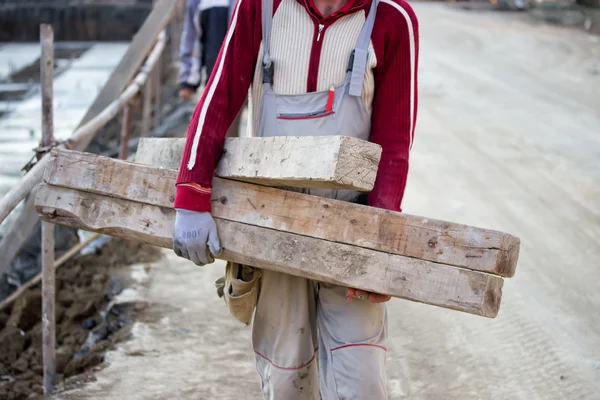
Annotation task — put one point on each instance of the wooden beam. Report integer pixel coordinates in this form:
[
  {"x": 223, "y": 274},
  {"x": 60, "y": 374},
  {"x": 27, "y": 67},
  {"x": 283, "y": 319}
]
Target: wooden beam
[
  {"x": 15, "y": 237},
  {"x": 138, "y": 50},
  {"x": 48, "y": 271},
  {"x": 373, "y": 228},
  {"x": 312, "y": 258},
  {"x": 334, "y": 162},
  {"x": 47, "y": 83}
]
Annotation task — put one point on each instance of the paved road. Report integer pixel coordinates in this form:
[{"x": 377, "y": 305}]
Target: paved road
[{"x": 508, "y": 138}]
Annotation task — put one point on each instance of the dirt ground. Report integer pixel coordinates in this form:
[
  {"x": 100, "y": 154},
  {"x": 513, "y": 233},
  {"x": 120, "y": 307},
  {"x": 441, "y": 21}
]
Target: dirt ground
[
  {"x": 88, "y": 320},
  {"x": 508, "y": 138}
]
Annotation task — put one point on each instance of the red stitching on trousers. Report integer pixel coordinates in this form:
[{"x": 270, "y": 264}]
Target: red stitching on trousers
[
  {"x": 358, "y": 344},
  {"x": 289, "y": 369}
]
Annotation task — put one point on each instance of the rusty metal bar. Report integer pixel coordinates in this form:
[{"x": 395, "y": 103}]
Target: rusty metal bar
[
  {"x": 125, "y": 132},
  {"x": 157, "y": 91},
  {"x": 147, "y": 108}
]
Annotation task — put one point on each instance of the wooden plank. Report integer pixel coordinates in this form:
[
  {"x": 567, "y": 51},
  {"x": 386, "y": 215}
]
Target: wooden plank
[
  {"x": 47, "y": 84},
  {"x": 443, "y": 242},
  {"x": 334, "y": 162},
  {"x": 48, "y": 308},
  {"x": 140, "y": 47},
  {"x": 15, "y": 237},
  {"x": 48, "y": 271},
  {"x": 340, "y": 264}
]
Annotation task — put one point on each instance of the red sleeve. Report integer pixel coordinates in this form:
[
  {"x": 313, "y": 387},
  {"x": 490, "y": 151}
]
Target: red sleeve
[
  {"x": 220, "y": 103},
  {"x": 396, "y": 42}
]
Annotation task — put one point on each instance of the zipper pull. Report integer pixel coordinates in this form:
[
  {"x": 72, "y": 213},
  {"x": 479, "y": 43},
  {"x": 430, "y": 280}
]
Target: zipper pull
[{"x": 321, "y": 26}]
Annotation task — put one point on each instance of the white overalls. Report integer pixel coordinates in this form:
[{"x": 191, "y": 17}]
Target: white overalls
[{"x": 310, "y": 342}]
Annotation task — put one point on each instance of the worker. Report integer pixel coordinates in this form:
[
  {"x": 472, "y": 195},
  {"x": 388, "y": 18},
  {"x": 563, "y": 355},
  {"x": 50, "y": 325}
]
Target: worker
[
  {"x": 204, "y": 29},
  {"x": 313, "y": 67}
]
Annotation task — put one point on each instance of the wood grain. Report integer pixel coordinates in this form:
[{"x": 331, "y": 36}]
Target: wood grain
[
  {"x": 322, "y": 260},
  {"x": 438, "y": 241},
  {"x": 333, "y": 162}
]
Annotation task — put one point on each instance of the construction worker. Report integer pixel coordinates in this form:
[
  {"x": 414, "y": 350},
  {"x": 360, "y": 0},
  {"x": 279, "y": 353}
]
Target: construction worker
[
  {"x": 313, "y": 67},
  {"x": 204, "y": 29}
]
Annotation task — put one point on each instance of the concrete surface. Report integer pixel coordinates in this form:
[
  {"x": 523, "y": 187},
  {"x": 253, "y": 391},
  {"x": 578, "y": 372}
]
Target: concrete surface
[
  {"x": 508, "y": 138},
  {"x": 14, "y": 56},
  {"x": 74, "y": 92}
]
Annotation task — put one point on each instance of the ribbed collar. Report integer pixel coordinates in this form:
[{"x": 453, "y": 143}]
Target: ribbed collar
[{"x": 348, "y": 8}]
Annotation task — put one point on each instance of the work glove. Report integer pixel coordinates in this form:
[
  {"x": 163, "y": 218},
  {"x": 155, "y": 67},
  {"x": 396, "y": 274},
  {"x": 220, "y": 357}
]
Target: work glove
[{"x": 195, "y": 237}]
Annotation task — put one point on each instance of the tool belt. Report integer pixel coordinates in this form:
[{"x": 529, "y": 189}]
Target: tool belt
[{"x": 239, "y": 288}]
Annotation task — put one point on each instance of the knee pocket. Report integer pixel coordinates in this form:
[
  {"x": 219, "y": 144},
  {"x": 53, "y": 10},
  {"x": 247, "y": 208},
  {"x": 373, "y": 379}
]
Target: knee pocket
[
  {"x": 359, "y": 371},
  {"x": 353, "y": 322},
  {"x": 288, "y": 383}
]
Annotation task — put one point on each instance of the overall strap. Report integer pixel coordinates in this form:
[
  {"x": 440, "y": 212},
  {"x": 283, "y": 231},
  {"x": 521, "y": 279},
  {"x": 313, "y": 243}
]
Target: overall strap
[
  {"x": 267, "y": 22},
  {"x": 358, "y": 61}
]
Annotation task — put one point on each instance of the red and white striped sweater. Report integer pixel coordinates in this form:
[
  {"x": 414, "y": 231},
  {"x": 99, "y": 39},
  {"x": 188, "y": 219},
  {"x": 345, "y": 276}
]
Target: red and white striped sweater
[{"x": 310, "y": 53}]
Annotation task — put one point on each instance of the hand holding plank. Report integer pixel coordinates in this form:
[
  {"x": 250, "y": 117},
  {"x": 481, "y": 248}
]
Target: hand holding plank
[
  {"x": 352, "y": 294},
  {"x": 195, "y": 237}
]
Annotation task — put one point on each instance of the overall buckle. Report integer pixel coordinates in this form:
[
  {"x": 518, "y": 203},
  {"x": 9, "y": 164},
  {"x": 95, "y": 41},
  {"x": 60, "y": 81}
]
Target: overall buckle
[
  {"x": 350, "y": 62},
  {"x": 268, "y": 72}
]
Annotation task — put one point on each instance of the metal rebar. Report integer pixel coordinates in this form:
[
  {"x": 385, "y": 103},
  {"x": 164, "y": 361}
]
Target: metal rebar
[{"x": 125, "y": 132}]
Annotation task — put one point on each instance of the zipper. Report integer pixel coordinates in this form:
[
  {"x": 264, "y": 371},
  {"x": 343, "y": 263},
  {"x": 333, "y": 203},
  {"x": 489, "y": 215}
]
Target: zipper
[
  {"x": 321, "y": 26},
  {"x": 315, "y": 56}
]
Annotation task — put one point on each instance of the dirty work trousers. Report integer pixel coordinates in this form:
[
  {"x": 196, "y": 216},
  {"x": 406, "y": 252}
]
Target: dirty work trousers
[{"x": 311, "y": 343}]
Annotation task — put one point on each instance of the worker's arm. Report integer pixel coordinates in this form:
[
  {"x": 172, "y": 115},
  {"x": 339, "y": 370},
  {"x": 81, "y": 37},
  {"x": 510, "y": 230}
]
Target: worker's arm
[
  {"x": 221, "y": 101},
  {"x": 395, "y": 102},
  {"x": 189, "y": 51}
]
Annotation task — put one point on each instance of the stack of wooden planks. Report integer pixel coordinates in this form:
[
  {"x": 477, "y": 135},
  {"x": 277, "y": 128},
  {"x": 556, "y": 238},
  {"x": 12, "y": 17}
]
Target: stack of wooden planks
[{"x": 434, "y": 262}]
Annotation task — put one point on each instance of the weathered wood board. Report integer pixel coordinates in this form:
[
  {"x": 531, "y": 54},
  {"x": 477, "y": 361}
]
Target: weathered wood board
[
  {"x": 322, "y": 260},
  {"x": 11, "y": 243},
  {"x": 335, "y": 162},
  {"x": 372, "y": 228}
]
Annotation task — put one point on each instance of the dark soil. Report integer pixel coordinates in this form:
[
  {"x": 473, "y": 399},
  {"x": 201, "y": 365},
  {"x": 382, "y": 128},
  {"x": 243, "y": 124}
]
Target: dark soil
[{"x": 87, "y": 324}]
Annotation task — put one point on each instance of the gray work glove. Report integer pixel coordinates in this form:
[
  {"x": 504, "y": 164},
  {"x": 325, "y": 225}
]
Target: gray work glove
[{"x": 195, "y": 237}]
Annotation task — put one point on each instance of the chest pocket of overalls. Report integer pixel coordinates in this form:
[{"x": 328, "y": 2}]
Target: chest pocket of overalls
[{"x": 338, "y": 111}]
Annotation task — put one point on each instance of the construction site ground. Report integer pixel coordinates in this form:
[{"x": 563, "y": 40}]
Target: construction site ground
[{"x": 508, "y": 138}]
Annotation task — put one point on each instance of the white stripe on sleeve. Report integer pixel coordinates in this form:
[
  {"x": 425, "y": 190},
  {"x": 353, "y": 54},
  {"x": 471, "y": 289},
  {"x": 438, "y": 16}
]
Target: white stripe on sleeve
[
  {"x": 211, "y": 89},
  {"x": 411, "y": 40}
]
